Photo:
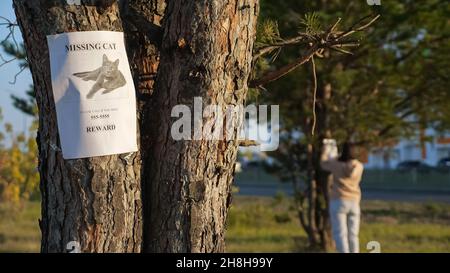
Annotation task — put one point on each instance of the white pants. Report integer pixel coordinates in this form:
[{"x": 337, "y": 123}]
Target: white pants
[{"x": 345, "y": 217}]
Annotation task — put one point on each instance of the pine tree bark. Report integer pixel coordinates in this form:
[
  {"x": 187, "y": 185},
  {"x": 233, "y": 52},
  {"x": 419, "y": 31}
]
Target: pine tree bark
[
  {"x": 94, "y": 201},
  {"x": 314, "y": 217},
  {"x": 143, "y": 53},
  {"x": 206, "y": 52},
  {"x": 323, "y": 178}
]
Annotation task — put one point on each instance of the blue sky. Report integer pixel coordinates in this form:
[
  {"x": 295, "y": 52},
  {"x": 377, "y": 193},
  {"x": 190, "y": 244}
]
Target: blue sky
[{"x": 7, "y": 72}]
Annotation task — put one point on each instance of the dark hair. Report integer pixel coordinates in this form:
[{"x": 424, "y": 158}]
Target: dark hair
[{"x": 348, "y": 152}]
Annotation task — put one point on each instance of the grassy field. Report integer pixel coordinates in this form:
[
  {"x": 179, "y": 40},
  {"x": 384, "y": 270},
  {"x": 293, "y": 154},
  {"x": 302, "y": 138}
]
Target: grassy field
[
  {"x": 19, "y": 229},
  {"x": 260, "y": 224}
]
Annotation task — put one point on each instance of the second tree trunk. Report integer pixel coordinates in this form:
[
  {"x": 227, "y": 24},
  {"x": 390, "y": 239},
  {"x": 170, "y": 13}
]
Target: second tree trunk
[{"x": 206, "y": 52}]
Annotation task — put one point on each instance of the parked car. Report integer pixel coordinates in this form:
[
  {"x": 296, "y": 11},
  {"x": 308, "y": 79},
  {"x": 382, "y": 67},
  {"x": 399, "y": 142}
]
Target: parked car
[
  {"x": 414, "y": 165},
  {"x": 443, "y": 164}
]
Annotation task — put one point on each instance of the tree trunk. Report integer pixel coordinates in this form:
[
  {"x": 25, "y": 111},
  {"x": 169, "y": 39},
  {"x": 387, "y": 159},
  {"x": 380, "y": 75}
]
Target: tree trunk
[
  {"x": 95, "y": 201},
  {"x": 144, "y": 55},
  {"x": 312, "y": 231},
  {"x": 206, "y": 52},
  {"x": 326, "y": 239},
  {"x": 323, "y": 178},
  {"x": 315, "y": 218},
  {"x": 314, "y": 215}
]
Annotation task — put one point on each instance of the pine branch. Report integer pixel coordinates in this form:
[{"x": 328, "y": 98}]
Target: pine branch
[
  {"x": 248, "y": 143},
  {"x": 267, "y": 49},
  {"x": 331, "y": 39},
  {"x": 274, "y": 75}
]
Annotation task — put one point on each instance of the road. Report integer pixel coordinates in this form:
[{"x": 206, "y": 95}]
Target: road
[{"x": 367, "y": 194}]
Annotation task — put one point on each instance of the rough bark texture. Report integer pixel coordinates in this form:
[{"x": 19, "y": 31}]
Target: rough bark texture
[
  {"x": 314, "y": 213},
  {"x": 143, "y": 53},
  {"x": 206, "y": 52},
  {"x": 324, "y": 179},
  {"x": 94, "y": 201}
]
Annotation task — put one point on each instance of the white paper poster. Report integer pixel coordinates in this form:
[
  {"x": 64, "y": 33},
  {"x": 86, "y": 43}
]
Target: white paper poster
[
  {"x": 94, "y": 93},
  {"x": 330, "y": 148}
]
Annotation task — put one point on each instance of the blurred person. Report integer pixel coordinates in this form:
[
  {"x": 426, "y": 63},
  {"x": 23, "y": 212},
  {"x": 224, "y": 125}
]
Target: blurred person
[{"x": 345, "y": 196}]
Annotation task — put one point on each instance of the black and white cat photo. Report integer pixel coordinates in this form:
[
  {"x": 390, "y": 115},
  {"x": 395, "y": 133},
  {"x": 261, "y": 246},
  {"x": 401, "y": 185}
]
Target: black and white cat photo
[{"x": 107, "y": 77}]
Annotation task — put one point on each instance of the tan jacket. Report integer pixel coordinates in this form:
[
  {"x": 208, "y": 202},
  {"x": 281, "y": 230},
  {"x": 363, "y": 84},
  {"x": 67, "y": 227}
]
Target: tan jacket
[{"x": 346, "y": 178}]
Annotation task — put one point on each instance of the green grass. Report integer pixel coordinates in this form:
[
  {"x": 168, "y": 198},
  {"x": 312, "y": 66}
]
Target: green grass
[
  {"x": 255, "y": 226},
  {"x": 19, "y": 228},
  {"x": 263, "y": 224}
]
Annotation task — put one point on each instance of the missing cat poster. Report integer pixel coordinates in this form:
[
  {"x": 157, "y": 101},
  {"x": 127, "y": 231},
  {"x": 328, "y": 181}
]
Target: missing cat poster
[{"x": 94, "y": 93}]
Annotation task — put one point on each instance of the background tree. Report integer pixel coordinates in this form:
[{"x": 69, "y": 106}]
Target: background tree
[
  {"x": 19, "y": 178},
  {"x": 17, "y": 53}
]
